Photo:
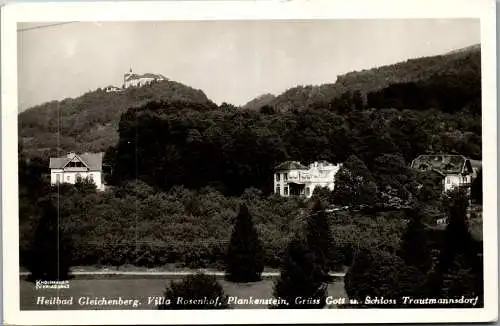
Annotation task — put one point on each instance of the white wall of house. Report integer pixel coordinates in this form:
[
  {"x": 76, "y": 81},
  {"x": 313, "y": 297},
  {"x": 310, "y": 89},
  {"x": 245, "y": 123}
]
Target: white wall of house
[
  {"x": 62, "y": 176},
  {"x": 456, "y": 180},
  {"x": 318, "y": 175},
  {"x": 140, "y": 81}
]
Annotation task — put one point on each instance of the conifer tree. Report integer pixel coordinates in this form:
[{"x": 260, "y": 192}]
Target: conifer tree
[
  {"x": 50, "y": 253},
  {"x": 319, "y": 239},
  {"x": 477, "y": 188},
  {"x": 245, "y": 256},
  {"x": 301, "y": 284}
]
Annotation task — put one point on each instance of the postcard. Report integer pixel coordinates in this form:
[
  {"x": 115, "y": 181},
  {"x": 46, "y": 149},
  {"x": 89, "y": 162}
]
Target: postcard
[{"x": 235, "y": 162}]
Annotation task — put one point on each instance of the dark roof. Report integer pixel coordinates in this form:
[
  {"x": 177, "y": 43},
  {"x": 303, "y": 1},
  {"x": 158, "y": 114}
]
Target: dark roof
[
  {"x": 290, "y": 165},
  {"x": 92, "y": 160},
  {"x": 444, "y": 164}
]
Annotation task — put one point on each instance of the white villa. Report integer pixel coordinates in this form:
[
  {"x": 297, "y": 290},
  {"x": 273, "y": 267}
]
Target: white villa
[
  {"x": 294, "y": 179},
  {"x": 131, "y": 79},
  {"x": 455, "y": 170},
  {"x": 69, "y": 168}
]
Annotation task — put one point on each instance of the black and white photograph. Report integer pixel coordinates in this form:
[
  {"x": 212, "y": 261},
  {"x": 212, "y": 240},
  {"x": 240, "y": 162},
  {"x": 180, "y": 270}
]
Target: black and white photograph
[{"x": 258, "y": 165}]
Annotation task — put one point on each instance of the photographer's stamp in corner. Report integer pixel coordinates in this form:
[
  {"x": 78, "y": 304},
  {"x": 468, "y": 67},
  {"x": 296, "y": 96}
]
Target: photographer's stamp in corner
[{"x": 251, "y": 161}]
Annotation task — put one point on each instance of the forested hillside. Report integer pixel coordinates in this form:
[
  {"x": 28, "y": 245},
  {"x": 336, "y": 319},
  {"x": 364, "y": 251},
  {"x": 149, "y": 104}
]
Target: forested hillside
[
  {"x": 90, "y": 122},
  {"x": 438, "y": 78}
]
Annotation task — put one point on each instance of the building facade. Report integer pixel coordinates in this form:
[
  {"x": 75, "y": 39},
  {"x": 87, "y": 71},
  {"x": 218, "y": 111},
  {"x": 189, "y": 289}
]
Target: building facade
[
  {"x": 291, "y": 178},
  {"x": 131, "y": 79},
  {"x": 72, "y": 167},
  {"x": 455, "y": 170}
]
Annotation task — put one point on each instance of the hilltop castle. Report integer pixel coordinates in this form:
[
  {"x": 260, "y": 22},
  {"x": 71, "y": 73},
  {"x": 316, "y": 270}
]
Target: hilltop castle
[{"x": 131, "y": 79}]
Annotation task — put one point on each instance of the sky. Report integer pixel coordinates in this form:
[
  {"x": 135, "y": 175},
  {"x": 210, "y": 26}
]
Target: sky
[{"x": 231, "y": 61}]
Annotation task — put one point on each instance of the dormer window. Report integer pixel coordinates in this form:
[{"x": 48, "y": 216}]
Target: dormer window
[{"x": 76, "y": 164}]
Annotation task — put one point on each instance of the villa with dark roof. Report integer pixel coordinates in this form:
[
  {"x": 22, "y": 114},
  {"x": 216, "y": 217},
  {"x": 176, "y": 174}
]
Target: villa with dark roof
[
  {"x": 72, "y": 167},
  {"x": 456, "y": 170},
  {"x": 131, "y": 79},
  {"x": 291, "y": 178}
]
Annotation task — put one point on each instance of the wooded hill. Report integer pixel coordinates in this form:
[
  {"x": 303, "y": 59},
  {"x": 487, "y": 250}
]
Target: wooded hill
[
  {"x": 458, "y": 72},
  {"x": 90, "y": 122}
]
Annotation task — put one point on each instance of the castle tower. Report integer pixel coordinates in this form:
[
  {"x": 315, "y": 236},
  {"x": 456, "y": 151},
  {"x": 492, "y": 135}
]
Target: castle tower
[{"x": 127, "y": 74}]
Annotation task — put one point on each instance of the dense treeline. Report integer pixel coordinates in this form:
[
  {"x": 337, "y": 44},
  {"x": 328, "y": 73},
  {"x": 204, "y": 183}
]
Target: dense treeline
[
  {"x": 446, "y": 93},
  {"x": 138, "y": 225},
  {"x": 167, "y": 143}
]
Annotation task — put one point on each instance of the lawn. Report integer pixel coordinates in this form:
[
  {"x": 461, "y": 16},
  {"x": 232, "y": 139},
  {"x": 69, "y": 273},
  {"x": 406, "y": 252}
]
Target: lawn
[{"x": 141, "y": 289}]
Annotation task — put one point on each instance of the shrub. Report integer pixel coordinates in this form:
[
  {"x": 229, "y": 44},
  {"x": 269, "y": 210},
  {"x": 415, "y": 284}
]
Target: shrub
[
  {"x": 379, "y": 274},
  {"x": 196, "y": 292},
  {"x": 301, "y": 279}
]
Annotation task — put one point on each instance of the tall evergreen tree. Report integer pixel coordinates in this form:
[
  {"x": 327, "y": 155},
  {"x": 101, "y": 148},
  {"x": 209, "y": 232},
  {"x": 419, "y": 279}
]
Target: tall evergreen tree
[
  {"x": 245, "y": 257},
  {"x": 319, "y": 239},
  {"x": 477, "y": 188},
  {"x": 50, "y": 253},
  {"x": 415, "y": 248},
  {"x": 301, "y": 284}
]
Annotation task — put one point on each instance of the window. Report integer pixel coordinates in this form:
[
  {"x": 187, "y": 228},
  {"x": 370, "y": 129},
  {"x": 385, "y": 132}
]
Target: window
[
  {"x": 67, "y": 178},
  {"x": 75, "y": 164},
  {"x": 78, "y": 177},
  {"x": 285, "y": 176},
  {"x": 285, "y": 191},
  {"x": 278, "y": 190},
  {"x": 308, "y": 191},
  {"x": 58, "y": 178},
  {"x": 277, "y": 177},
  {"x": 91, "y": 176},
  {"x": 448, "y": 180}
]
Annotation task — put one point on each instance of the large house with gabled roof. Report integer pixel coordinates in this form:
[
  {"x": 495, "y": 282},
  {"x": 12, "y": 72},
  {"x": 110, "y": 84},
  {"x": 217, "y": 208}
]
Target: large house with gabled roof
[
  {"x": 72, "y": 167},
  {"x": 456, "y": 170},
  {"x": 291, "y": 178}
]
